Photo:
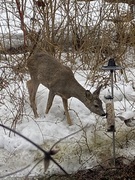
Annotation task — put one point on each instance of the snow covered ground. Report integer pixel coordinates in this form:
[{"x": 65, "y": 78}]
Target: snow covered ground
[{"x": 82, "y": 150}]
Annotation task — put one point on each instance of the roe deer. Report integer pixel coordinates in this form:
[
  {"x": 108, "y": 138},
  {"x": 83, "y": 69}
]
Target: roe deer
[{"x": 59, "y": 79}]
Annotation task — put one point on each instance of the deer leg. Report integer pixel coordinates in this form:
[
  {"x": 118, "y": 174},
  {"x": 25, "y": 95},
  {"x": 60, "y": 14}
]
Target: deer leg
[
  {"x": 32, "y": 89},
  {"x": 49, "y": 101},
  {"x": 65, "y": 104}
]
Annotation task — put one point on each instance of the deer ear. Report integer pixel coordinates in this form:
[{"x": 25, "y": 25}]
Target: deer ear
[
  {"x": 88, "y": 94},
  {"x": 97, "y": 91}
]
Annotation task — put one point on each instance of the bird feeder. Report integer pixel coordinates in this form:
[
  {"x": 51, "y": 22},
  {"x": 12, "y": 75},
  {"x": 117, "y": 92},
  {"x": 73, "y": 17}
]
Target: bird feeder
[
  {"x": 112, "y": 67},
  {"x": 110, "y": 114}
]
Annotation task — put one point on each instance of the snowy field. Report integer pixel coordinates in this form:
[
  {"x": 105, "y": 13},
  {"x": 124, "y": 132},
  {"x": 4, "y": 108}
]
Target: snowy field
[{"x": 82, "y": 150}]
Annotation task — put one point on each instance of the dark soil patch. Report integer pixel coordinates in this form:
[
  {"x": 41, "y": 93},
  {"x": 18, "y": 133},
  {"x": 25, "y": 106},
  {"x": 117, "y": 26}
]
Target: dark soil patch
[{"x": 123, "y": 170}]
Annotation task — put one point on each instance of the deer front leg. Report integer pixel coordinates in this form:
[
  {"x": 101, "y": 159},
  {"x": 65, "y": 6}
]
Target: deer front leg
[
  {"x": 65, "y": 104},
  {"x": 32, "y": 89},
  {"x": 49, "y": 101}
]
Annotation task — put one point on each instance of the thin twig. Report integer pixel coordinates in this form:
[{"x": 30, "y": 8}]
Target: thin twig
[{"x": 9, "y": 174}]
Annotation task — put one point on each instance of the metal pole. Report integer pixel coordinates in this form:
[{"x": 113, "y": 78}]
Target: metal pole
[
  {"x": 114, "y": 157},
  {"x": 111, "y": 71},
  {"x": 114, "y": 122}
]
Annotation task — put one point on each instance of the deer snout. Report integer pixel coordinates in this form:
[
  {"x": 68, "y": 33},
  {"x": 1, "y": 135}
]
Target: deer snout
[{"x": 104, "y": 114}]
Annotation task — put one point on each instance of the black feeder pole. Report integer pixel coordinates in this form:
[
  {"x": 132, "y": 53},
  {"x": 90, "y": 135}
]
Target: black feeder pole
[{"x": 110, "y": 114}]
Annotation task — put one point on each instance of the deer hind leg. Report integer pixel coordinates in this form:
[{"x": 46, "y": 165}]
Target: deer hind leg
[
  {"x": 32, "y": 89},
  {"x": 49, "y": 101},
  {"x": 65, "y": 104}
]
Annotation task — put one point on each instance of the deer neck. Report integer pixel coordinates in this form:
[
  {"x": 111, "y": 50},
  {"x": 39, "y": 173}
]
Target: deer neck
[{"x": 78, "y": 92}]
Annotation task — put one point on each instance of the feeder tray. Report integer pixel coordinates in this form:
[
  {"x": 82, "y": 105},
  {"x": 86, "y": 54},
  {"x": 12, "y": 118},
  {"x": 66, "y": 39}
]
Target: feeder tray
[{"x": 111, "y": 66}]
